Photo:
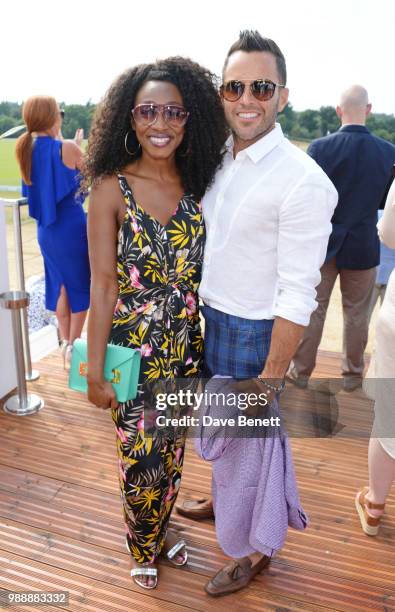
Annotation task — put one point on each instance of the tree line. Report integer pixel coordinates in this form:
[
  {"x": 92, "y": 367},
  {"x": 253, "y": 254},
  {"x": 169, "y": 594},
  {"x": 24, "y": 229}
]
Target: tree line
[{"x": 298, "y": 125}]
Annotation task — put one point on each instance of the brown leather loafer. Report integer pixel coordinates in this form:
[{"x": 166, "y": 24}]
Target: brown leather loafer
[
  {"x": 196, "y": 509},
  {"x": 235, "y": 576}
]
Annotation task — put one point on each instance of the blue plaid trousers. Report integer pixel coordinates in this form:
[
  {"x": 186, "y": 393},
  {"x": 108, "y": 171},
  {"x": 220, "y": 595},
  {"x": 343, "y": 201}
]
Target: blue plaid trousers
[{"x": 234, "y": 346}]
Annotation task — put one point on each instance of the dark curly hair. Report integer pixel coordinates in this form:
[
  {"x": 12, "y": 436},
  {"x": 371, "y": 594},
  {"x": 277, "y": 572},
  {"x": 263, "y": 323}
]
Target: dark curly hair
[{"x": 201, "y": 151}]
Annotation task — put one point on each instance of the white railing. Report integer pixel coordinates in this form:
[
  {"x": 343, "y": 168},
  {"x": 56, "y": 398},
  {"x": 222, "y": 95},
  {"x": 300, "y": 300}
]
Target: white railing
[
  {"x": 12, "y": 188},
  {"x": 15, "y": 206}
]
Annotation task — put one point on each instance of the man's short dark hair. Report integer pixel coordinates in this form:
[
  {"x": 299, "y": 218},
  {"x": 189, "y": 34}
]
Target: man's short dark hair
[{"x": 251, "y": 40}]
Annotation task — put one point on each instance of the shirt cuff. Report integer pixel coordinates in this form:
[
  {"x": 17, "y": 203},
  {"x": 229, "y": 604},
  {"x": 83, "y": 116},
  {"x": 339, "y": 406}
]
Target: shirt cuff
[{"x": 289, "y": 306}]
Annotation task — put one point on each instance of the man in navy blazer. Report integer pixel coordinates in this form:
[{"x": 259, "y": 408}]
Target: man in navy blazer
[{"x": 359, "y": 165}]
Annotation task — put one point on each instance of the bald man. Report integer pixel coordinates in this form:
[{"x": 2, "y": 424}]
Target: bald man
[{"x": 359, "y": 165}]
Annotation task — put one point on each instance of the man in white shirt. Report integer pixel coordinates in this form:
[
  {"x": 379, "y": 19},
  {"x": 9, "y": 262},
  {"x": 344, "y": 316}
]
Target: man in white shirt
[{"x": 267, "y": 217}]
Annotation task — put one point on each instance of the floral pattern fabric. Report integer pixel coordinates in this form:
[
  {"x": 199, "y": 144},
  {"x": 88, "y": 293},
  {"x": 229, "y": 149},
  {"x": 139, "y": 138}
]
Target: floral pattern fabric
[{"x": 159, "y": 270}]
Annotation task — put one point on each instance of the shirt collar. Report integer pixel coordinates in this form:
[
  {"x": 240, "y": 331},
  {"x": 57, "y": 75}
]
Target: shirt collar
[
  {"x": 261, "y": 147},
  {"x": 353, "y": 127}
]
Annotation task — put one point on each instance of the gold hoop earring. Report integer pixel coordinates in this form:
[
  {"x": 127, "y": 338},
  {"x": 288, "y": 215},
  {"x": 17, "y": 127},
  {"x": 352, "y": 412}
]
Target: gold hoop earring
[{"x": 132, "y": 153}]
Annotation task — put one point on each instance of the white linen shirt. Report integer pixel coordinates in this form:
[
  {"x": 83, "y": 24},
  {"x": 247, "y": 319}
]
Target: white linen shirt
[{"x": 268, "y": 220}]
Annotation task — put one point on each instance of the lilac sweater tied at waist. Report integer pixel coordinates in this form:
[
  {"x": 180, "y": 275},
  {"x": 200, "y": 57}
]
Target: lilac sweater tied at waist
[{"x": 254, "y": 486}]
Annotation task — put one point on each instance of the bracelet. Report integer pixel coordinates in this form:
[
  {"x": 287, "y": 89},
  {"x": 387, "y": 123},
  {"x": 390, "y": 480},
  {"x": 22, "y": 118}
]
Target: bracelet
[{"x": 278, "y": 389}]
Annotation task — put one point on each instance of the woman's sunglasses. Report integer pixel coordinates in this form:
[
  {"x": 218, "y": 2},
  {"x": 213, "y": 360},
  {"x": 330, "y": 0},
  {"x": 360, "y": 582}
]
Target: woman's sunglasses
[
  {"x": 261, "y": 89},
  {"x": 61, "y": 113},
  {"x": 147, "y": 114}
]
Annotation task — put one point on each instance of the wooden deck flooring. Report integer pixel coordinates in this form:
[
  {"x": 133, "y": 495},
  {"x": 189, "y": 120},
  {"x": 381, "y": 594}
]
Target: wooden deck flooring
[{"x": 61, "y": 527}]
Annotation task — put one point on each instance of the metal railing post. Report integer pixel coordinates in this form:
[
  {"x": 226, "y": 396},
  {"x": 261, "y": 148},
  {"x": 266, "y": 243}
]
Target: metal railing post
[
  {"x": 20, "y": 272},
  {"x": 30, "y": 373},
  {"x": 23, "y": 403}
]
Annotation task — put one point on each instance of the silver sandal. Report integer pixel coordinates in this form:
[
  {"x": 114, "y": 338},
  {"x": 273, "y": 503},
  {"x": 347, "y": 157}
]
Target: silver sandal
[
  {"x": 174, "y": 550},
  {"x": 66, "y": 352},
  {"x": 142, "y": 571},
  {"x": 145, "y": 571}
]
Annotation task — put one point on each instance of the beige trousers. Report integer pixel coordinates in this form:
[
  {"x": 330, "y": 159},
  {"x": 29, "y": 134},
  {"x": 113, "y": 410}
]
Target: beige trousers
[{"x": 356, "y": 288}]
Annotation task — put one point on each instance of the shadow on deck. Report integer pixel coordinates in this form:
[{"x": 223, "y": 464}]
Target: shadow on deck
[{"x": 61, "y": 526}]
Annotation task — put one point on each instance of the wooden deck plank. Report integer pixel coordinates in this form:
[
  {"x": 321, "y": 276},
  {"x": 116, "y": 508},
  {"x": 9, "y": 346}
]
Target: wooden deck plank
[
  {"x": 60, "y": 514},
  {"x": 178, "y": 590},
  {"x": 20, "y": 573},
  {"x": 92, "y": 562},
  {"x": 91, "y": 529}
]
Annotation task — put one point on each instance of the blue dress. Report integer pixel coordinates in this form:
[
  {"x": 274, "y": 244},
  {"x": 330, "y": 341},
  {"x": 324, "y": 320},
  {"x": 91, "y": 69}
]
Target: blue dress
[{"x": 61, "y": 224}]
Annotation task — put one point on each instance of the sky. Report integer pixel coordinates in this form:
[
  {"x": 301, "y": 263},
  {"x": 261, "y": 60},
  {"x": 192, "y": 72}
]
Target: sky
[{"x": 74, "y": 49}]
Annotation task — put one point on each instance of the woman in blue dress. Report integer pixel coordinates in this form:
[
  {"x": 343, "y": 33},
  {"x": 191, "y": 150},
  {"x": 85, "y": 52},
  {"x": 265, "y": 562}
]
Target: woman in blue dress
[{"x": 51, "y": 182}]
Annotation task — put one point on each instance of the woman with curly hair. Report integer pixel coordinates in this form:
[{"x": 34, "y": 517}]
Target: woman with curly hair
[{"x": 156, "y": 142}]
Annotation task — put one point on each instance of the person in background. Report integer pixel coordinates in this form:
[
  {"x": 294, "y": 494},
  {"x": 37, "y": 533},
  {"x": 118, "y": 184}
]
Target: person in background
[
  {"x": 50, "y": 169},
  {"x": 359, "y": 164},
  {"x": 155, "y": 144},
  {"x": 387, "y": 264},
  {"x": 38, "y": 315},
  {"x": 370, "y": 501}
]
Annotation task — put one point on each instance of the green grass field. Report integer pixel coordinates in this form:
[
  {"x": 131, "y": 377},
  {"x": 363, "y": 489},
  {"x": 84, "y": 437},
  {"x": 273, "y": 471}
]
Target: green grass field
[{"x": 9, "y": 172}]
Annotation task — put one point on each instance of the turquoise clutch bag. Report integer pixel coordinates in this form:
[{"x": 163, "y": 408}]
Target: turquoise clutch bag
[{"x": 121, "y": 369}]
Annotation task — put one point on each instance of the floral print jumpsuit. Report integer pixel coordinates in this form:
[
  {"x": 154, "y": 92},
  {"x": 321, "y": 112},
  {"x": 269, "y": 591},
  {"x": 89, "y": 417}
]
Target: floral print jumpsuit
[{"x": 159, "y": 270}]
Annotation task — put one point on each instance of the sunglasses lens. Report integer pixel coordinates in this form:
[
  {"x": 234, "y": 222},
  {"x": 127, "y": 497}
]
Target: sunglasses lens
[
  {"x": 145, "y": 113},
  {"x": 232, "y": 90},
  {"x": 175, "y": 115},
  {"x": 61, "y": 113},
  {"x": 263, "y": 90}
]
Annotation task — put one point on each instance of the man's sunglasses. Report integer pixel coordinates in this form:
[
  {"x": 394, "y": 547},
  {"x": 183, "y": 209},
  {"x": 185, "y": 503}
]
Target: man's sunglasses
[
  {"x": 261, "y": 89},
  {"x": 147, "y": 114}
]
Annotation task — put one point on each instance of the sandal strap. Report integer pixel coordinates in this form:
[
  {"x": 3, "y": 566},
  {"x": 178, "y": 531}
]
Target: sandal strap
[
  {"x": 372, "y": 506},
  {"x": 367, "y": 503},
  {"x": 144, "y": 571},
  {"x": 175, "y": 549}
]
